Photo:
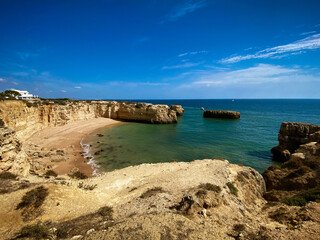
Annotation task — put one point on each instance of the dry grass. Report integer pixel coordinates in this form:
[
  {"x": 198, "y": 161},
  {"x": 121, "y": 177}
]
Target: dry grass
[
  {"x": 34, "y": 198},
  {"x": 151, "y": 192}
]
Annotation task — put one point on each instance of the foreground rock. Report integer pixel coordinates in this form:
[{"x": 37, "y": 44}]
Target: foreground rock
[
  {"x": 206, "y": 199},
  {"x": 298, "y": 178},
  {"x": 177, "y": 196},
  {"x": 221, "y": 114}
]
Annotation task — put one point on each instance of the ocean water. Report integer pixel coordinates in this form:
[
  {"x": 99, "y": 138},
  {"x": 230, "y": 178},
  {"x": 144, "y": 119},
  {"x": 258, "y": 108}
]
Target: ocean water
[{"x": 245, "y": 141}]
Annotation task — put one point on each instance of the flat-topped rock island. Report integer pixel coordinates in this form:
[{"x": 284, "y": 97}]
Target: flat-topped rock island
[{"x": 221, "y": 114}]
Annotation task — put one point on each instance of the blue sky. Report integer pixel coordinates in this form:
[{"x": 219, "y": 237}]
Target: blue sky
[{"x": 161, "y": 49}]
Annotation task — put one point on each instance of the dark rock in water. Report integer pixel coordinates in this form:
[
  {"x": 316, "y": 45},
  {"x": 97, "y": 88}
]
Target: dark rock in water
[
  {"x": 221, "y": 114},
  {"x": 178, "y": 109},
  {"x": 299, "y": 148},
  {"x": 100, "y": 135},
  {"x": 291, "y": 136}
]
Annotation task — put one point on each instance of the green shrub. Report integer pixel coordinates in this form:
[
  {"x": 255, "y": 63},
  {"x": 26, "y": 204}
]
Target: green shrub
[
  {"x": 36, "y": 231},
  {"x": 7, "y": 175},
  {"x": 210, "y": 187},
  {"x": 310, "y": 195},
  {"x": 239, "y": 227},
  {"x": 151, "y": 192},
  {"x": 295, "y": 201},
  {"x": 51, "y": 173},
  {"x": 106, "y": 212},
  {"x": 87, "y": 187},
  {"x": 201, "y": 193},
  {"x": 62, "y": 232},
  {"x": 133, "y": 189},
  {"x": 232, "y": 188},
  {"x": 78, "y": 175},
  {"x": 34, "y": 198}
]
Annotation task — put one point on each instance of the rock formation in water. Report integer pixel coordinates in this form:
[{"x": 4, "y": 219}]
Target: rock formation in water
[
  {"x": 221, "y": 114},
  {"x": 178, "y": 109},
  {"x": 147, "y": 113},
  {"x": 291, "y": 136},
  {"x": 299, "y": 147}
]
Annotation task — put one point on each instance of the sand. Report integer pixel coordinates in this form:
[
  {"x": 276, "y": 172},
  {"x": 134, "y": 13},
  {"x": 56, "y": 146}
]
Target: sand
[{"x": 68, "y": 138}]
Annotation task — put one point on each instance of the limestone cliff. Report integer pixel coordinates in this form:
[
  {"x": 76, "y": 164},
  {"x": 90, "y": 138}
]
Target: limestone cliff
[
  {"x": 20, "y": 120},
  {"x": 178, "y": 109},
  {"x": 11, "y": 157},
  {"x": 26, "y": 119},
  {"x": 291, "y": 136},
  {"x": 299, "y": 147}
]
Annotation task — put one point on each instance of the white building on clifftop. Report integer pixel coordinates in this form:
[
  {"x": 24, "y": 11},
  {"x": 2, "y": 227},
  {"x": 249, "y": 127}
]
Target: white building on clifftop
[{"x": 25, "y": 95}]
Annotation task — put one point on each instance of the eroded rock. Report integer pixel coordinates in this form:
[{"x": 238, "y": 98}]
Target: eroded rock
[{"x": 221, "y": 114}]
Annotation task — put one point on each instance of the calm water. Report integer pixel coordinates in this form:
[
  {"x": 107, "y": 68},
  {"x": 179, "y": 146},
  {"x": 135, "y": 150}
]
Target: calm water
[{"x": 247, "y": 141}]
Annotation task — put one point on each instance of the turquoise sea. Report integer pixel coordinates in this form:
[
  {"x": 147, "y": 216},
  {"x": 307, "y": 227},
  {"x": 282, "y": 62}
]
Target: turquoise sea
[{"x": 247, "y": 141}]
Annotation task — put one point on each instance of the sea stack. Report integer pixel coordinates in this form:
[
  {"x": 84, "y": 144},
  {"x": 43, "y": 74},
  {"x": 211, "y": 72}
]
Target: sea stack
[{"x": 221, "y": 114}]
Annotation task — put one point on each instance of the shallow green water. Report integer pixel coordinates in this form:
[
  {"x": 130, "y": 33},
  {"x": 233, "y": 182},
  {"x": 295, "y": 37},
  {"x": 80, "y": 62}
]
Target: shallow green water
[{"x": 247, "y": 141}]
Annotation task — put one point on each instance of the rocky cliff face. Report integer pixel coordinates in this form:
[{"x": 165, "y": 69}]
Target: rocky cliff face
[
  {"x": 291, "y": 136},
  {"x": 299, "y": 147},
  {"x": 26, "y": 120},
  {"x": 144, "y": 112},
  {"x": 20, "y": 120},
  {"x": 12, "y": 158},
  {"x": 178, "y": 109},
  {"x": 221, "y": 114}
]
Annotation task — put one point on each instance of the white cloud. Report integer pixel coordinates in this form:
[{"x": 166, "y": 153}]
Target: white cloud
[
  {"x": 21, "y": 74},
  {"x": 187, "y": 7},
  {"x": 77, "y": 87},
  {"x": 259, "y": 74},
  {"x": 2, "y": 80},
  {"x": 26, "y": 55},
  {"x": 136, "y": 84},
  {"x": 307, "y": 33},
  {"x": 308, "y": 43},
  {"x": 64, "y": 91},
  {"x": 191, "y": 53},
  {"x": 183, "y": 65}
]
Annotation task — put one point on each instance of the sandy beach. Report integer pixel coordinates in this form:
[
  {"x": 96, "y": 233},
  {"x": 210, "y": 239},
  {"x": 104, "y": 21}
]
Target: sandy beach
[{"x": 68, "y": 138}]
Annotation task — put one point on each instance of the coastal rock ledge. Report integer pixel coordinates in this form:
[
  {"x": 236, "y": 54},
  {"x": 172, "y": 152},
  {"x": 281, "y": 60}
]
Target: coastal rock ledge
[
  {"x": 221, "y": 114},
  {"x": 291, "y": 136}
]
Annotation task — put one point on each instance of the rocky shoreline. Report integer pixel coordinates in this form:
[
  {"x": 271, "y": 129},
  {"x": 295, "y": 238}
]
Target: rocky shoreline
[
  {"x": 204, "y": 199},
  {"x": 23, "y": 120}
]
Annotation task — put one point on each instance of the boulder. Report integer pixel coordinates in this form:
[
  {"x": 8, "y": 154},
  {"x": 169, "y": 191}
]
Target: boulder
[
  {"x": 291, "y": 136},
  {"x": 178, "y": 109},
  {"x": 299, "y": 149},
  {"x": 221, "y": 114}
]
